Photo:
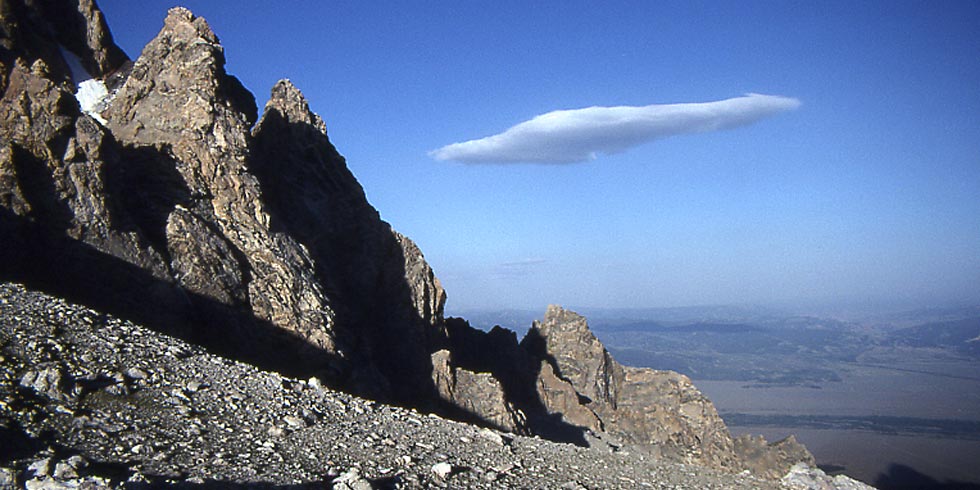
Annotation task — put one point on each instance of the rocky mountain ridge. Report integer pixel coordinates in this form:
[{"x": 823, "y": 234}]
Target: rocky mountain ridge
[{"x": 169, "y": 202}]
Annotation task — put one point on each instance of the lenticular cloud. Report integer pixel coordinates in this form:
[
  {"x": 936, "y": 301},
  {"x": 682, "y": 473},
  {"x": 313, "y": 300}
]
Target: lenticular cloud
[{"x": 579, "y": 134}]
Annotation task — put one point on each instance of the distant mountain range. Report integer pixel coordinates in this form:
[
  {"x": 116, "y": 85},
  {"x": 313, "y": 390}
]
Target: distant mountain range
[{"x": 761, "y": 344}]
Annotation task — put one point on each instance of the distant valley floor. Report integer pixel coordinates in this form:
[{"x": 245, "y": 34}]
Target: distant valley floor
[
  {"x": 893, "y": 400},
  {"x": 912, "y": 423}
]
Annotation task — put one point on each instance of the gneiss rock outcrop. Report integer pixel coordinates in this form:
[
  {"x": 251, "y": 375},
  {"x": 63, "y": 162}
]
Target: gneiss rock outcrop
[{"x": 152, "y": 191}]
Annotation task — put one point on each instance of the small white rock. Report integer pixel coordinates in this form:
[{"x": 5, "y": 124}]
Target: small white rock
[
  {"x": 442, "y": 470},
  {"x": 492, "y": 436},
  {"x": 41, "y": 467},
  {"x": 294, "y": 422}
]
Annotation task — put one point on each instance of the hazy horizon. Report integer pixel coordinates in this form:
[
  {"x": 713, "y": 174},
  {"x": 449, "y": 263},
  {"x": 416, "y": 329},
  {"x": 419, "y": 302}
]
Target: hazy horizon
[
  {"x": 644, "y": 154},
  {"x": 843, "y": 311}
]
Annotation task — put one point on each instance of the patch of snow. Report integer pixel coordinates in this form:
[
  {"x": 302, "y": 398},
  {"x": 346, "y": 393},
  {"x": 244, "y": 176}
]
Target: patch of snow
[{"x": 92, "y": 94}]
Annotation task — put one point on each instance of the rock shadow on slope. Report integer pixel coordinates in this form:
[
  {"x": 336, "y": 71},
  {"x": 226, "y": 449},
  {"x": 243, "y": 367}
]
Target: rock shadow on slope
[
  {"x": 498, "y": 352},
  {"x": 903, "y": 477},
  {"x": 78, "y": 272},
  {"x": 361, "y": 263}
]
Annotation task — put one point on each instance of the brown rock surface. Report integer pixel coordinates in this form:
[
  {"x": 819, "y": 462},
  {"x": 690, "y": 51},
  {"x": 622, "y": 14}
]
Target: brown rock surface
[
  {"x": 172, "y": 199},
  {"x": 41, "y": 29},
  {"x": 660, "y": 412},
  {"x": 388, "y": 301},
  {"x": 476, "y": 394},
  {"x": 180, "y": 107},
  {"x": 576, "y": 355},
  {"x": 772, "y": 460}
]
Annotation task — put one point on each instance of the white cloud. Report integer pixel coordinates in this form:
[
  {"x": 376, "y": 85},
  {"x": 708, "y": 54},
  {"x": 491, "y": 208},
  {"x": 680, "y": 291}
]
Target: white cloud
[{"x": 577, "y": 135}]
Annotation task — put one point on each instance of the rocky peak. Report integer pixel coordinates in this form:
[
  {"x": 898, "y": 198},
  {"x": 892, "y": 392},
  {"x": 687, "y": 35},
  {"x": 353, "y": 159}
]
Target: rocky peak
[
  {"x": 81, "y": 28},
  {"x": 564, "y": 339},
  {"x": 386, "y": 297},
  {"x": 186, "y": 124},
  {"x": 289, "y": 103},
  {"x": 256, "y": 244},
  {"x": 182, "y": 71},
  {"x": 661, "y": 412}
]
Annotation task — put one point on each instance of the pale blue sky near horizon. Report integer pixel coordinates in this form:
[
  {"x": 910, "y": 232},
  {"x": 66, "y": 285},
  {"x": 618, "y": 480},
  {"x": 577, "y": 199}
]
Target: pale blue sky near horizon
[{"x": 866, "y": 195}]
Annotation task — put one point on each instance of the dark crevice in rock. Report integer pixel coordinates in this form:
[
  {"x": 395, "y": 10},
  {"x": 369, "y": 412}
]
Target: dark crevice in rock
[
  {"x": 142, "y": 188},
  {"x": 81, "y": 28},
  {"x": 241, "y": 99},
  {"x": 39, "y": 189},
  {"x": 16, "y": 443},
  {"x": 517, "y": 369},
  {"x": 26, "y": 34}
]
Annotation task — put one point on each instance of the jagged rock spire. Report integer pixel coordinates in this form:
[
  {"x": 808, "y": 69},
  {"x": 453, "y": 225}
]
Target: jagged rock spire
[{"x": 179, "y": 112}]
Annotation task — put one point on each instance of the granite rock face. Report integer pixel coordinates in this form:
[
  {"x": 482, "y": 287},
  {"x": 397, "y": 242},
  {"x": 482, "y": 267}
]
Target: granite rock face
[
  {"x": 172, "y": 204},
  {"x": 565, "y": 341},
  {"x": 478, "y": 395},
  {"x": 180, "y": 114},
  {"x": 60, "y": 210},
  {"x": 658, "y": 410},
  {"x": 45, "y": 29},
  {"x": 388, "y": 301}
]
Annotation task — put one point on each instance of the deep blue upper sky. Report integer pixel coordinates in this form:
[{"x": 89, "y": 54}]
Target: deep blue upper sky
[{"x": 868, "y": 194}]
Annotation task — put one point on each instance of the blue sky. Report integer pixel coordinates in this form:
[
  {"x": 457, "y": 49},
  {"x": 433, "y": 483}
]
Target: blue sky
[{"x": 867, "y": 194}]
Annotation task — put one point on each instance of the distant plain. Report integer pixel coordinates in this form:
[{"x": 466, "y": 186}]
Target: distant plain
[{"x": 893, "y": 400}]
